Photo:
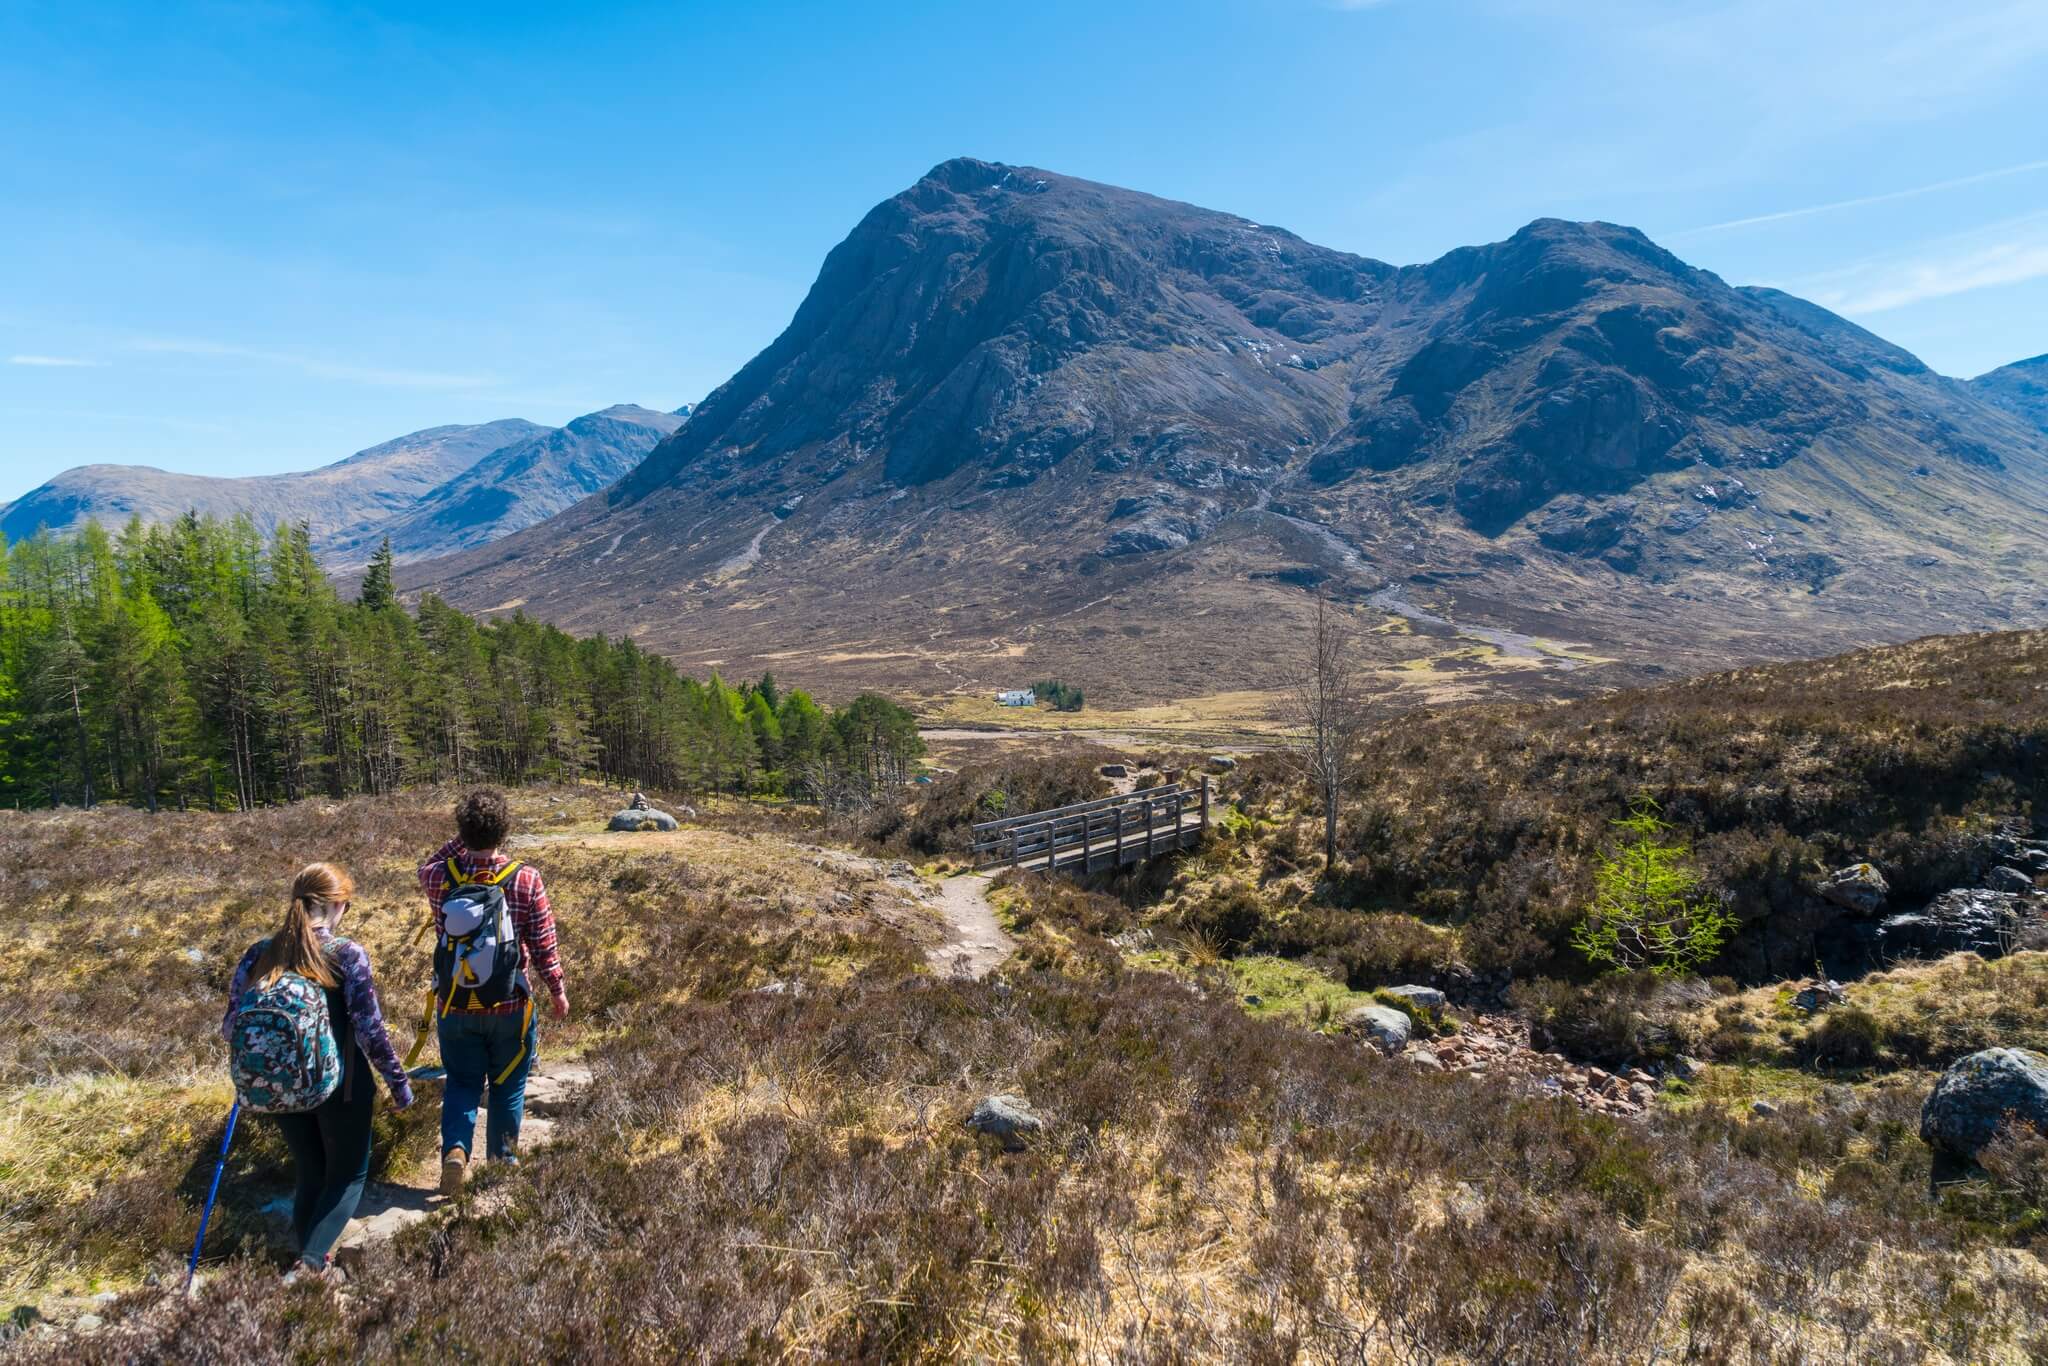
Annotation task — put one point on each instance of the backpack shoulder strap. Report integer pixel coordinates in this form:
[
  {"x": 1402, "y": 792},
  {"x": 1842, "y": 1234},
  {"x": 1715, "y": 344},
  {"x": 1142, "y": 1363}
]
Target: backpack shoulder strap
[
  {"x": 498, "y": 875},
  {"x": 456, "y": 877}
]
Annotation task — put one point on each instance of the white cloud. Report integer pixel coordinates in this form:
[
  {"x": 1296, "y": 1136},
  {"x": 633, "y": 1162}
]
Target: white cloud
[
  {"x": 316, "y": 367},
  {"x": 54, "y": 362},
  {"x": 2006, "y": 253}
]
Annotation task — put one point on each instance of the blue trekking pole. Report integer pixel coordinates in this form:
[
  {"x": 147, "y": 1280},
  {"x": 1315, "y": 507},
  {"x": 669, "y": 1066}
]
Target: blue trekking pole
[{"x": 206, "y": 1215}]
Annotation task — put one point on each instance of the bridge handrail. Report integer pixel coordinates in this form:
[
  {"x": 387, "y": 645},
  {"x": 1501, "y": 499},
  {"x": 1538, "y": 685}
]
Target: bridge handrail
[
  {"x": 1040, "y": 831},
  {"x": 1066, "y": 830},
  {"x": 1099, "y": 804}
]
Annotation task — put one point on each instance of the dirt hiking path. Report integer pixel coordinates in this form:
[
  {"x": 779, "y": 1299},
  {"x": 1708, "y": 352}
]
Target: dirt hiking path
[
  {"x": 390, "y": 1207},
  {"x": 976, "y": 943}
]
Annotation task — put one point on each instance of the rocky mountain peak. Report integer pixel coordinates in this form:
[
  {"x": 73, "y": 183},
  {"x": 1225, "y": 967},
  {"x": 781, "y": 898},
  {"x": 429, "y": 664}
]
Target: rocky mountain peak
[{"x": 1007, "y": 375}]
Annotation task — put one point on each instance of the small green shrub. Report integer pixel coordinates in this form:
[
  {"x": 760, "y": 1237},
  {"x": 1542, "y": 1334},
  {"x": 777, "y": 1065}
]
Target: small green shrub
[
  {"x": 1846, "y": 1037},
  {"x": 1231, "y": 916}
]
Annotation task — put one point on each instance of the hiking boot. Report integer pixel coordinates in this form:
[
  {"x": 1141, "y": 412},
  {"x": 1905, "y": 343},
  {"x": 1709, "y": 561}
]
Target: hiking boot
[
  {"x": 454, "y": 1171},
  {"x": 307, "y": 1271}
]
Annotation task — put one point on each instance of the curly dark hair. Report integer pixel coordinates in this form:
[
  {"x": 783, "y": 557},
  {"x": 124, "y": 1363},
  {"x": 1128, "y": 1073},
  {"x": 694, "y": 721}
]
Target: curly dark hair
[{"x": 482, "y": 818}]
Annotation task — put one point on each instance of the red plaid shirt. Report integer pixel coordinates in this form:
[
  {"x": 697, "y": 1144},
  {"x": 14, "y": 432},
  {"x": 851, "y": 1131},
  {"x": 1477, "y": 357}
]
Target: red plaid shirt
[{"x": 526, "y": 896}]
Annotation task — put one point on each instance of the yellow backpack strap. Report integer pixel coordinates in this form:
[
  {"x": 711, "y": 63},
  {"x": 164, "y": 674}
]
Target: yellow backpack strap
[
  {"x": 455, "y": 875},
  {"x": 426, "y": 1027},
  {"x": 497, "y": 876},
  {"x": 525, "y": 1028}
]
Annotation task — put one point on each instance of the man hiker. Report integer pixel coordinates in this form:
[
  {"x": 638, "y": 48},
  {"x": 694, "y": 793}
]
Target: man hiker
[{"x": 485, "y": 983}]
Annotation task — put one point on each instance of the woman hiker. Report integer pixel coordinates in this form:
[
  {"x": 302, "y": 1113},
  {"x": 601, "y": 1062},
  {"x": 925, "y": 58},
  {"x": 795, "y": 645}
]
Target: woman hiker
[{"x": 330, "y": 1143}]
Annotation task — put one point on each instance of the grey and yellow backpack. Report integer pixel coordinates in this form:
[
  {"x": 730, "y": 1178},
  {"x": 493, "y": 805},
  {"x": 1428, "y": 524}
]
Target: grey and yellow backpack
[{"x": 476, "y": 958}]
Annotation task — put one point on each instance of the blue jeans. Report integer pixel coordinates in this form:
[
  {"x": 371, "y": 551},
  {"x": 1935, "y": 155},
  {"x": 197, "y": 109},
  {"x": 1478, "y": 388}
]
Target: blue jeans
[{"x": 475, "y": 1049}]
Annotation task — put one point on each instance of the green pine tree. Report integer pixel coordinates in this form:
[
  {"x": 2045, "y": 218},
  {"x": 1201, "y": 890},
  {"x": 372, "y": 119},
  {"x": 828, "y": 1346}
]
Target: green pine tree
[
  {"x": 379, "y": 592},
  {"x": 1649, "y": 907}
]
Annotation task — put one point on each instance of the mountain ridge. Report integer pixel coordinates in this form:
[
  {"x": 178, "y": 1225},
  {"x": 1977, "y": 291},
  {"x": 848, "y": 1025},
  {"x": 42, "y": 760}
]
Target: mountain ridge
[
  {"x": 518, "y": 485},
  {"x": 1023, "y": 424},
  {"x": 2020, "y": 388},
  {"x": 356, "y": 487},
  {"x": 397, "y": 485}
]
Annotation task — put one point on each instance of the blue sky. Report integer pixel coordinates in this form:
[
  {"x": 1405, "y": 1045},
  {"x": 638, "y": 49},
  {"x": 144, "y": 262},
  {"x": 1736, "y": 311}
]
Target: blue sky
[{"x": 253, "y": 236}]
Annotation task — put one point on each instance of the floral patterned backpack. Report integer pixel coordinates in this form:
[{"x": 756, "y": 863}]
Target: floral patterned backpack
[{"x": 281, "y": 1047}]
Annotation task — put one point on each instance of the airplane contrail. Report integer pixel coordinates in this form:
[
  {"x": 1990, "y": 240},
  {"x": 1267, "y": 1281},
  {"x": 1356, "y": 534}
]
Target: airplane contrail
[{"x": 1811, "y": 209}]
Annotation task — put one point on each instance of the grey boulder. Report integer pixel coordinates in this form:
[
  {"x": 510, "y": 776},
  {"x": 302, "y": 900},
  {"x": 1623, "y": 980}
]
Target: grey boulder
[
  {"x": 641, "y": 818},
  {"x": 2009, "y": 880},
  {"x": 1429, "y": 998},
  {"x": 1980, "y": 1093},
  {"x": 1858, "y": 887},
  {"x": 1006, "y": 1117},
  {"x": 1383, "y": 1025}
]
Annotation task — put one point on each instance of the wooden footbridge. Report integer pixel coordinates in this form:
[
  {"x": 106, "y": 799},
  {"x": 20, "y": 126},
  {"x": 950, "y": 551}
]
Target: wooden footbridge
[{"x": 1090, "y": 836}]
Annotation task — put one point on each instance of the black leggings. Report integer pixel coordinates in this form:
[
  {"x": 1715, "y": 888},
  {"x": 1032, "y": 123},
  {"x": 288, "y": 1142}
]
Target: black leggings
[{"x": 331, "y": 1154}]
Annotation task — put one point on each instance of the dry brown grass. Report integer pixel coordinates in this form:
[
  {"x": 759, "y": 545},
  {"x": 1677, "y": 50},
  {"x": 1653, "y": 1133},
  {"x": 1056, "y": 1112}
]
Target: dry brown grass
[
  {"x": 786, "y": 1174},
  {"x": 1489, "y": 818},
  {"x": 1916, "y": 1015},
  {"x": 122, "y": 929}
]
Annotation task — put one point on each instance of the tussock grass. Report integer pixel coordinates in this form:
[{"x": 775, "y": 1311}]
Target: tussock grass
[
  {"x": 1914, "y": 1015},
  {"x": 1488, "y": 818},
  {"x": 122, "y": 930},
  {"x": 787, "y": 1174}
]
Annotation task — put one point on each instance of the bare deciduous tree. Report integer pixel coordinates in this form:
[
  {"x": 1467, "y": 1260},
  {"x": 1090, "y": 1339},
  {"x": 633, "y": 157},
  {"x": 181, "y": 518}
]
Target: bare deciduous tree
[{"x": 1329, "y": 709}]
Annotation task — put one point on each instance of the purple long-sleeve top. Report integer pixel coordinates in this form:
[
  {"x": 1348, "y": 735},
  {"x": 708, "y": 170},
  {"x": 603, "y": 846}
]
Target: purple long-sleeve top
[{"x": 358, "y": 991}]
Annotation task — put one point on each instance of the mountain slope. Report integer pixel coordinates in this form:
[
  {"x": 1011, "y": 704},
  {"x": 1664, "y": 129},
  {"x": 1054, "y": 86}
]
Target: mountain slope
[
  {"x": 1026, "y": 424},
  {"x": 367, "y": 485},
  {"x": 2020, "y": 388},
  {"x": 432, "y": 492},
  {"x": 517, "y": 485}
]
